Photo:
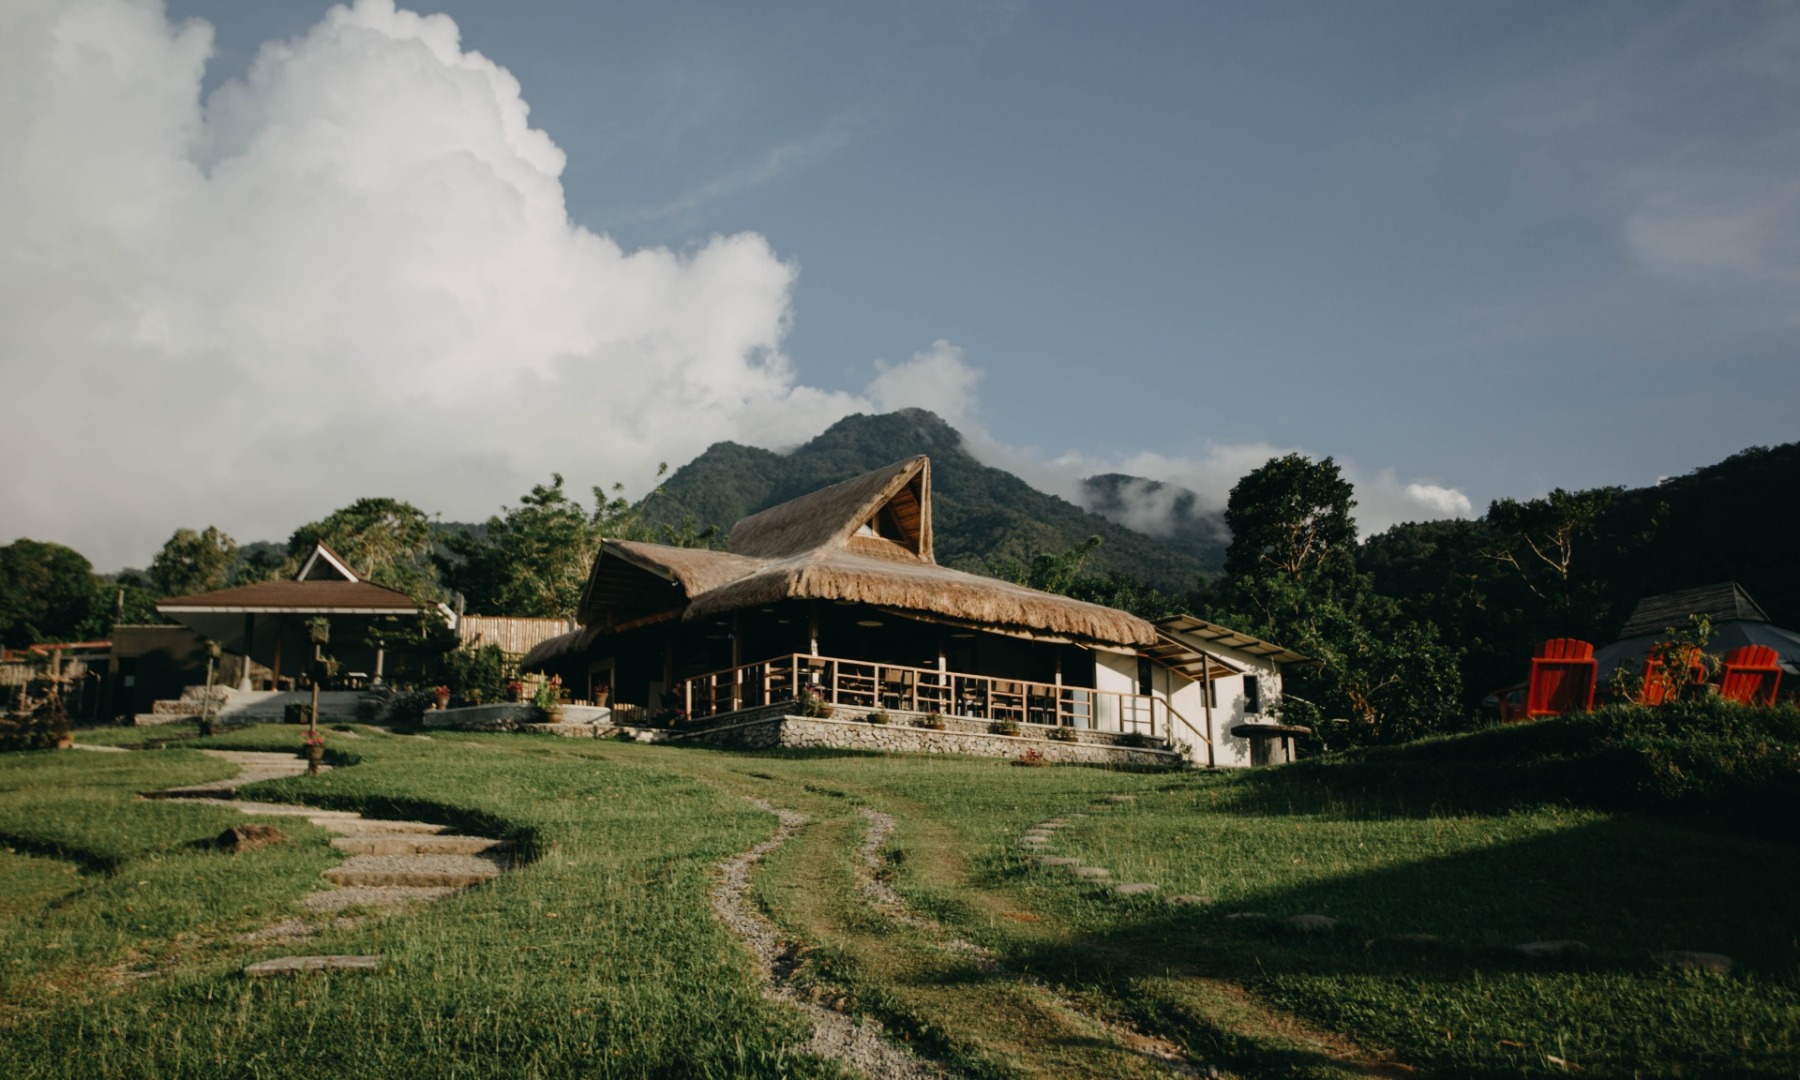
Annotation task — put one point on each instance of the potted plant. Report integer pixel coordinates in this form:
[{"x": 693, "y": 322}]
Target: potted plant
[
  {"x": 549, "y": 699},
  {"x": 442, "y": 696},
  {"x": 515, "y": 691},
  {"x": 313, "y": 743},
  {"x": 602, "y": 691}
]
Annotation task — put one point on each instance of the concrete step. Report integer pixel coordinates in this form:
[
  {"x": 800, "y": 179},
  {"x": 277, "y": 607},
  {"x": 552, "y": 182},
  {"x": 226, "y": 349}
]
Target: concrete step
[
  {"x": 167, "y": 707},
  {"x": 416, "y": 844},
  {"x": 416, "y": 870}
]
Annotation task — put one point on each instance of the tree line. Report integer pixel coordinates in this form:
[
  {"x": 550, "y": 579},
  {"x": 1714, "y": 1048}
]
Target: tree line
[
  {"x": 1412, "y": 627},
  {"x": 528, "y": 560}
]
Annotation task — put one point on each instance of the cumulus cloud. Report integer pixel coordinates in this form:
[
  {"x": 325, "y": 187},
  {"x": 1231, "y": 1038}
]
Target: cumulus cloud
[
  {"x": 938, "y": 379},
  {"x": 349, "y": 272}
]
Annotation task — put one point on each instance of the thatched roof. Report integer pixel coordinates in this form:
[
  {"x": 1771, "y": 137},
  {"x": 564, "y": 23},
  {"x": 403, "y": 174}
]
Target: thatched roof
[
  {"x": 926, "y": 589},
  {"x": 892, "y": 504},
  {"x": 866, "y": 540}
]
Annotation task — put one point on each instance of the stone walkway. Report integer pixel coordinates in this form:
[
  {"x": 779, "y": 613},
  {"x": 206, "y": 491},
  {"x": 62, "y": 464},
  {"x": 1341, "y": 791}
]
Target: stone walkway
[{"x": 391, "y": 866}]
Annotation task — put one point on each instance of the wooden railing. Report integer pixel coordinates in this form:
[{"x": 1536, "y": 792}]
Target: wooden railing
[{"x": 872, "y": 685}]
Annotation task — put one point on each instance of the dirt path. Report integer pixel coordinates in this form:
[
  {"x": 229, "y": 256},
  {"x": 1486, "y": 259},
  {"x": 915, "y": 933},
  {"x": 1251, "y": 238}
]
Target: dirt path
[
  {"x": 892, "y": 905},
  {"x": 864, "y": 1047}
]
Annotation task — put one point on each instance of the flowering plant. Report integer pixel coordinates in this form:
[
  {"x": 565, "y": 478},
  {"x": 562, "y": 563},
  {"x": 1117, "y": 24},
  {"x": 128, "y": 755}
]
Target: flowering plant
[
  {"x": 440, "y": 691},
  {"x": 313, "y": 738},
  {"x": 549, "y": 694},
  {"x": 515, "y": 688}
]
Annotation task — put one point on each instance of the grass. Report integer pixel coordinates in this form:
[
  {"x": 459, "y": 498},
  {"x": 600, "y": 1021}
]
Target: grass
[{"x": 600, "y": 956}]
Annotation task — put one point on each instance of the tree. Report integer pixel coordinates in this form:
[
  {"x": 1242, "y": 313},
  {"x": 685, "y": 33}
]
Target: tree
[
  {"x": 1539, "y": 539},
  {"x": 385, "y": 541},
  {"x": 47, "y": 593},
  {"x": 192, "y": 562},
  {"x": 1291, "y": 517}
]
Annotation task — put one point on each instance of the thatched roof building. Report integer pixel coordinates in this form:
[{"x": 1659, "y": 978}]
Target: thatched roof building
[{"x": 865, "y": 541}]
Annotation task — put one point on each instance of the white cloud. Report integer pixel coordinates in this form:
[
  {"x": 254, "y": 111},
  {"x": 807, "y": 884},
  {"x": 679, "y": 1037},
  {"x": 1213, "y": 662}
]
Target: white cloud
[
  {"x": 938, "y": 379},
  {"x": 350, "y": 272}
]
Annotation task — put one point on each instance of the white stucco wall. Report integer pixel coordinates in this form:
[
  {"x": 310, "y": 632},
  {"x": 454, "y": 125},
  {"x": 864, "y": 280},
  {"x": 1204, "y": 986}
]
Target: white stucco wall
[{"x": 1229, "y": 709}]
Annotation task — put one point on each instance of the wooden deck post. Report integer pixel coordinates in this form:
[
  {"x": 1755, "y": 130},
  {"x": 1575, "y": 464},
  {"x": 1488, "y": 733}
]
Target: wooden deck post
[{"x": 1206, "y": 703}]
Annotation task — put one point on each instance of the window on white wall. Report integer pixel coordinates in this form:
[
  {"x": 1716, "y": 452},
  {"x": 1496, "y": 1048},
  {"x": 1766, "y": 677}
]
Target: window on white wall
[{"x": 1252, "y": 694}]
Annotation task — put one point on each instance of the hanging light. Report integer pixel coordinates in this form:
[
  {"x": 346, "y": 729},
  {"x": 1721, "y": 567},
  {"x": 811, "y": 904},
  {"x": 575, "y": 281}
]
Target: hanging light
[{"x": 868, "y": 622}]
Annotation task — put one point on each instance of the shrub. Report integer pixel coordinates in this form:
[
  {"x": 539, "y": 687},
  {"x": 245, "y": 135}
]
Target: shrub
[
  {"x": 879, "y": 716},
  {"x": 1004, "y": 727},
  {"x": 1064, "y": 734},
  {"x": 1031, "y": 759},
  {"x": 411, "y": 706},
  {"x": 931, "y": 721},
  {"x": 296, "y": 712},
  {"x": 812, "y": 705}
]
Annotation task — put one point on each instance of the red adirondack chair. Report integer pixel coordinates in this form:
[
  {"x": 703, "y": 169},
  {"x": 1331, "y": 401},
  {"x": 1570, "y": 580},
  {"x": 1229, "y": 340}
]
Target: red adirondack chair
[
  {"x": 1563, "y": 671},
  {"x": 1751, "y": 675},
  {"x": 1661, "y": 686}
]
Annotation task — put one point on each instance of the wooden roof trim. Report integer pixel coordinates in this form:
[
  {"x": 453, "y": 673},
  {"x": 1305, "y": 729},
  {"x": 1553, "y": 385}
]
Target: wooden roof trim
[{"x": 332, "y": 559}]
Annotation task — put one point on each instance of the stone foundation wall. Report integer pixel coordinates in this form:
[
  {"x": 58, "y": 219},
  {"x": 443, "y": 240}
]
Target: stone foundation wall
[{"x": 770, "y": 731}]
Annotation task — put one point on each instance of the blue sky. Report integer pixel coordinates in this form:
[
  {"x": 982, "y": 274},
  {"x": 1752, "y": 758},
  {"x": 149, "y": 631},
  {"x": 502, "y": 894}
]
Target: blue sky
[{"x": 1486, "y": 248}]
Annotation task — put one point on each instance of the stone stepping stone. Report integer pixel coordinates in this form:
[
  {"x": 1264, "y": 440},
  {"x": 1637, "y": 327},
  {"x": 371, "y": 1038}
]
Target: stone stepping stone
[
  {"x": 1189, "y": 900},
  {"x": 1414, "y": 939},
  {"x": 269, "y": 809},
  {"x": 1247, "y": 915},
  {"x": 418, "y": 844},
  {"x": 101, "y": 749},
  {"x": 362, "y": 826},
  {"x": 1549, "y": 948},
  {"x": 379, "y": 897},
  {"x": 1134, "y": 888},
  {"x": 1057, "y": 860},
  {"x": 1034, "y": 841},
  {"x": 1716, "y": 963},
  {"x": 1053, "y": 823},
  {"x": 1090, "y": 873},
  {"x": 422, "y": 870},
  {"x": 1310, "y": 923},
  {"x": 301, "y": 965}
]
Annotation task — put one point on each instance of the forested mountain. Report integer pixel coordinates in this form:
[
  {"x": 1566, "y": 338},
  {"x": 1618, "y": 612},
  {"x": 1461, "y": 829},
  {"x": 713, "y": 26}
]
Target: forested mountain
[{"x": 981, "y": 514}]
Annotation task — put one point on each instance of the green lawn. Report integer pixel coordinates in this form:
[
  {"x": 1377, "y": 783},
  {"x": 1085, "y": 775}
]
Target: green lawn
[{"x": 600, "y": 956}]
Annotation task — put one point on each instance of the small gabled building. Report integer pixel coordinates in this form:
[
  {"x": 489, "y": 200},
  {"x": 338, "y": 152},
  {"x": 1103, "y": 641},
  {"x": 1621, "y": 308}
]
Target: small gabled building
[
  {"x": 1737, "y": 620},
  {"x": 266, "y": 623},
  {"x": 837, "y": 597}
]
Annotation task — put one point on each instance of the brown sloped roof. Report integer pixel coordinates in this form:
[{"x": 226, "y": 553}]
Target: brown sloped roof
[
  {"x": 344, "y": 597},
  {"x": 1722, "y": 602},
  {"x": 830, "y": 516}
]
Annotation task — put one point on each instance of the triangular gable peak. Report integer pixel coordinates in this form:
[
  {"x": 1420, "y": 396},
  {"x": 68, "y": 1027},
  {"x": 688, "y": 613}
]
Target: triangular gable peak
[
  {"x": 885, "y": 514},
  {"x": 325, "y": 565}
]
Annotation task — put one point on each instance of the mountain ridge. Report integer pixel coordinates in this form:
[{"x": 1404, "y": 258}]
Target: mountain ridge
[{"x": 982, "y": 514}]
